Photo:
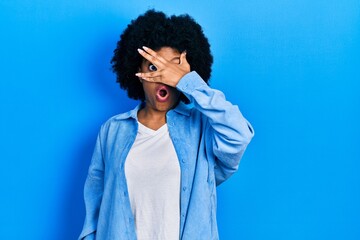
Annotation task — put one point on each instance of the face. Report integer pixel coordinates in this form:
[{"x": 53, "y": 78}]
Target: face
[{"x": 158, "y": 96}]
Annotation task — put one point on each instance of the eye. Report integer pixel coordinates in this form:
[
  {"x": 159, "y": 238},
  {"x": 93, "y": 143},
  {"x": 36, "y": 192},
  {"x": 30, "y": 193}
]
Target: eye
[{"x": 152, "y": 67}]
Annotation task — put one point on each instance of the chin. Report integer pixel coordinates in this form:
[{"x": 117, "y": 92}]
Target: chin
[{"x": 166, "y": 106}]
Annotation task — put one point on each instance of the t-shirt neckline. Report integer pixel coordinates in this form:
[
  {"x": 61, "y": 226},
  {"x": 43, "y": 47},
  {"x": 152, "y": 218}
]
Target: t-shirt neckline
[{"x": 144, "y": 129}]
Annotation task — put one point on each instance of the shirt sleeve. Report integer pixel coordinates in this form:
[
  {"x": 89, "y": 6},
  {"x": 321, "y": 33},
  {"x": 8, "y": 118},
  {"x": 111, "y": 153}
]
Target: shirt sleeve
[
  {"x": 93, "y": 192},
  {"x": 229, "y": 131}
]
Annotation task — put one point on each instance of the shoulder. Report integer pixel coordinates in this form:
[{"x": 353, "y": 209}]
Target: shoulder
[
  {"x": 120, "y": 121},
  {"x": 185, "y": 114}
]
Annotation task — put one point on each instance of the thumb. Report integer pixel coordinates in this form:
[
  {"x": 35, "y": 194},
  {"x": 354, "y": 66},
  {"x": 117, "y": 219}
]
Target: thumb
[{"x": 183, "y": 58}]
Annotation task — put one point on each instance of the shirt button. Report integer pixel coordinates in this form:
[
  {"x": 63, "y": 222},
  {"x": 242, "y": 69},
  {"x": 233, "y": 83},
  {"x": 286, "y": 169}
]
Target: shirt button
[{"x": 184, "y": 188}]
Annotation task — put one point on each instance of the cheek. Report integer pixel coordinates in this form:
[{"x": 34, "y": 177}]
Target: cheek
[
  {"x": 175, "y": 93},
  {"x": 148, "y": 88},
  {"x": 144, "y": 67}
]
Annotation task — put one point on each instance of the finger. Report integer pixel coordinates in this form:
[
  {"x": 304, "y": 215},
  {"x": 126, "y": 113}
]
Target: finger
[
  {"x": 148, "y": 57},
  {"x": 148, "y": 74},
  {"x": 154, "y": 79},
  {"x": 183, "y": 57},
  {"x": 154, "y": 54}
]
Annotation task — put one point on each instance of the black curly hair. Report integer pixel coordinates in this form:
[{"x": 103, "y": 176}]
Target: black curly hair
[{"x": 155, "y": 30}]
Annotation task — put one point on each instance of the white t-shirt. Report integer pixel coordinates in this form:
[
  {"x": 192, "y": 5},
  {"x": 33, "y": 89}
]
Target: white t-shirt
[{"x": 152, "y": 173}]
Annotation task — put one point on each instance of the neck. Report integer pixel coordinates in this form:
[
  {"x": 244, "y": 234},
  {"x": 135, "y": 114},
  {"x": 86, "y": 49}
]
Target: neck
[{"x": 152, "y": 118}]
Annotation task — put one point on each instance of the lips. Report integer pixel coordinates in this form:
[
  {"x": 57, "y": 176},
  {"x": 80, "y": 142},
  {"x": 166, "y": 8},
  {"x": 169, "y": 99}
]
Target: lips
[{"x": 162, "y": 93}]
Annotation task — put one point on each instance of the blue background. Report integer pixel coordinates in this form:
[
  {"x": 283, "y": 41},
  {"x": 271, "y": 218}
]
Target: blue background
[{"x": 291, "y": 66}]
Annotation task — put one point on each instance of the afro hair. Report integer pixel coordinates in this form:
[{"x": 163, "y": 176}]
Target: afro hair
[{"x": 155, "y": 30}]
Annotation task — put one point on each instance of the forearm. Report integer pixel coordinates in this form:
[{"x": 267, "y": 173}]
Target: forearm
[
  {"x": 224, "y": 117},
  {"x": 229, "y": 131}
]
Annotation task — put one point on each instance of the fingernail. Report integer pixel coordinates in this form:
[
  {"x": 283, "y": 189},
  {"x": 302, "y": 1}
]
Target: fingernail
[
  {"x": 145, "y": 48},
  {"x": 140, "y": 50},
  {"x": 138, "y": 74}
]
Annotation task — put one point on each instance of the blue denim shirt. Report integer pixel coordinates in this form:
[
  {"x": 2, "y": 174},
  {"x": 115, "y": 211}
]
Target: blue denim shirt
[{"x": 210, "y": 136}]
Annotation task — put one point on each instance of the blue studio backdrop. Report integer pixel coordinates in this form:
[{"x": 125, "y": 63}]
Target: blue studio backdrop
[{"x": 291, "y": 66}]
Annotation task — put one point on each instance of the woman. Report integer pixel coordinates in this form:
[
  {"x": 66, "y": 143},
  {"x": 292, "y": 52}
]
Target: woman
[{"x": 155, "y": 169}]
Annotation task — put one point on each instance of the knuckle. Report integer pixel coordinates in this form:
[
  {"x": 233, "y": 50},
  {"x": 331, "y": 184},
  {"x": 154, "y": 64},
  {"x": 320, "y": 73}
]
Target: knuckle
[{"x": 153, "y": 59}]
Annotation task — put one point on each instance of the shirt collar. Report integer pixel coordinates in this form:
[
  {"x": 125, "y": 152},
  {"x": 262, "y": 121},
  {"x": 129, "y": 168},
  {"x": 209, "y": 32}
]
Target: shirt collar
[
  {"x": 130, "y": 114},
  {"x": 181, "y": 108}
]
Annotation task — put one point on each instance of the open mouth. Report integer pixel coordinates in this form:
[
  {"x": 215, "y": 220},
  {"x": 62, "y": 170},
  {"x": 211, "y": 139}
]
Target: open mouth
[{"x": 162, "y": 94}]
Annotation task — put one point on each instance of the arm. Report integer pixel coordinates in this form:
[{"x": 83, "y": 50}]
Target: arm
[
  {"x": 229, "y": 131},
  {"x": 93, "y": 192}
]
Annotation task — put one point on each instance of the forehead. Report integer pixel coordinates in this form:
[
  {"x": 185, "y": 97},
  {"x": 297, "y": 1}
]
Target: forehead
[{"x": 168, "y": 53}]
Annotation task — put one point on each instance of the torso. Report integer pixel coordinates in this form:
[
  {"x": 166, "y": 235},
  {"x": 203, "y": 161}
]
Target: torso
[{"x": 153, "y": 178}]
